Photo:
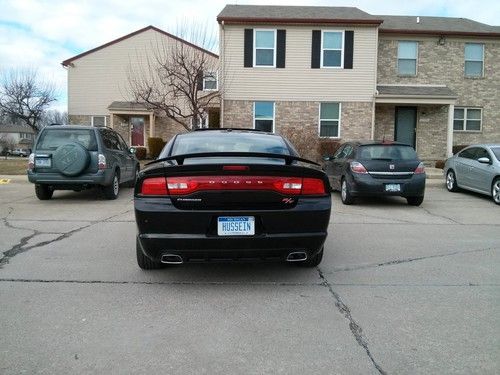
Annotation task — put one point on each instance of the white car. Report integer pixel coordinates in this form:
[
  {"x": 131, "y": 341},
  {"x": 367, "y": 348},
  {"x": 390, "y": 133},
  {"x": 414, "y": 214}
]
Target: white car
[{"x": 475, "y": 168}]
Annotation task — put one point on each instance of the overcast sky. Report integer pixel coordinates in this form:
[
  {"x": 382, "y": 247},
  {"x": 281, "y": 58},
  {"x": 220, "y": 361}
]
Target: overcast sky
[{"x": 43, "y": 33}]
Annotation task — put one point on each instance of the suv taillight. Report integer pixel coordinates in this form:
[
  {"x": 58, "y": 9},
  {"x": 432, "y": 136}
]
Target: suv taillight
[
  {"x": 31, "y": 162},
  {"x": 101, "y": 162},
  {"x": 191, "y": 184},
  {"x": 357, "y": 167},
  {"x": 420, "y": 169}
]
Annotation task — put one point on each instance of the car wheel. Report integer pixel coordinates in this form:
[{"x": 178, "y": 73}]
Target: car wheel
[
  {"x": 495, "y": 190},
  {"x": 43, "y": 192},
  {"x": 345, "y": 194},
  {"x": 415, "y": 201},
  {"x": 131, "y": 183},
  {"x": 143, "y": 261},
  {"x": 112, "y": 191},
  {"x": 312, "y": 261},
  {"x": 451, "y": 181}
]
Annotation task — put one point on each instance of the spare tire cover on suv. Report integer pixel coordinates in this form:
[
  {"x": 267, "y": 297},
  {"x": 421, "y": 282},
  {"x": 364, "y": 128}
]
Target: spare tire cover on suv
[{"x": 71, "y": 159}]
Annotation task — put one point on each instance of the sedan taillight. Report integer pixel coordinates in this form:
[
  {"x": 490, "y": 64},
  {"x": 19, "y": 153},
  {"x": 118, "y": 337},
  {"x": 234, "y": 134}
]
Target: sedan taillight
[
  {"x": 191, "y": 184},
  {"x": 420, "y": 169},
  {"x": 357, "y": 167}
]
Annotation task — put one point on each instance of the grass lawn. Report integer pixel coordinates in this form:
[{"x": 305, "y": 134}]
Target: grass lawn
[{"x": 13, "y": 166}]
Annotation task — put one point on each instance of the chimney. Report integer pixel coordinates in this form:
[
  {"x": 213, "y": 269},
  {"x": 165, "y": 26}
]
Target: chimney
[{"x": 418, "y": 19}]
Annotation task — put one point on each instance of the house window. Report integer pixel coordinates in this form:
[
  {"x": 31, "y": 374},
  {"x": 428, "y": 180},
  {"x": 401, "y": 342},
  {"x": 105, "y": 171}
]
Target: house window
[
  {"x": 265, "y": 48},
  {"x": 407, "y": 58},
  {"x": 332, "y": 51},
  {"x": 264, "y": 116},
  {"x": 467, "y": 119},
  {"x": 99, "y": 121},
  {"x": 210, "y": 82},
  {"x": 474, "y": 57},
  {"x": 329, "y": 120}
]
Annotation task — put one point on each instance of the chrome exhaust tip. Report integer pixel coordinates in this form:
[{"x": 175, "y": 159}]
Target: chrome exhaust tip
[
  {"x": 171, "y": 259},
  {"x": 296, "y": 256}
]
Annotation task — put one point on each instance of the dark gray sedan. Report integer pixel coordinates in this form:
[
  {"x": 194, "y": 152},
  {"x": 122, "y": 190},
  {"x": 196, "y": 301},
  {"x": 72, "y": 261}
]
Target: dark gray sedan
[{"x": 475, "y": 168}]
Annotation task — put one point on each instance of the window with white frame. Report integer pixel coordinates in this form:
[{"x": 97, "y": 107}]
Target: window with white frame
[
  {"x": 264, "y": 48},
  {"x": 99, "y": 121},
  {"x": 210, "y": 81},
  {"x": 407, "y": 58},
  {"x": 474, "y": 58},
  {"x": 264, "y": 116},
  {"x": 467, "y": 119},
  {"x": 329, "y": 120},
  {"x": 332, "y": 49}
]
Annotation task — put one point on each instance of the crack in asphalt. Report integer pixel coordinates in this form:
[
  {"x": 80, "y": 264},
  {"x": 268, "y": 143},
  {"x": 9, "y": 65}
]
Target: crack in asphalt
[
  {"x": 393, "y": 221},
  {"x": 441, "y": 216},
  {"x": 355, "y": 328},
  {"x": 408, "y": 260},
  {"x": 21, "y": 247}
]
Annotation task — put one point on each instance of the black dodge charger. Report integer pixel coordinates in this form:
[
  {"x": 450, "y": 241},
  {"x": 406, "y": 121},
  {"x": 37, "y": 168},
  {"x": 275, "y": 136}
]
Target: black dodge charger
[{"x": 231, "y": 194}]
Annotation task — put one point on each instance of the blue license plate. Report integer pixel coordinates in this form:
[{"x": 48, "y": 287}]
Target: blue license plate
[{"x": 236, "y": 226}]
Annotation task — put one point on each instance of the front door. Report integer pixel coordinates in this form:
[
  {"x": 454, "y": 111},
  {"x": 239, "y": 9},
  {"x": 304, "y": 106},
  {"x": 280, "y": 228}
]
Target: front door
[
  {"x": 406, "y": 123},
  {"x": 137, "y": 131}
]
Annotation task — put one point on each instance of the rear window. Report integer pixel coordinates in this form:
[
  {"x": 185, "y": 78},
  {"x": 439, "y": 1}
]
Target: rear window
[
  {"x": 496, "y": 152},
  {"x": 387, "y": 152},
  {"x": 51, "y": 139},
  {"x": 228, "y": 142}
]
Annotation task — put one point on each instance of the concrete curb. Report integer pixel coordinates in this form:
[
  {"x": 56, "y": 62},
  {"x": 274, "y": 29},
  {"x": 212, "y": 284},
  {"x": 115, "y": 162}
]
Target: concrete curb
[{"x": 15, "y": 177}]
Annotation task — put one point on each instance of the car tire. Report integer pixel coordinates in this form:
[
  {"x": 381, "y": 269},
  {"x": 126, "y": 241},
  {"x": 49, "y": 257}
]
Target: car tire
[
  {"x": 71, "y": 159},
  {"x": 111, "y": 191},
  {"x": 451, "y": 181},
  {"x": 131, "y": 183},
  {"x": 495, "y": 190},
  {"x": 415, "y": 201},
  {"x": 345, "y": 194},
  {"x": 312, "y": 261},
  {"x": 43, "y": 192},
  {"x": 143, "y": 261}
]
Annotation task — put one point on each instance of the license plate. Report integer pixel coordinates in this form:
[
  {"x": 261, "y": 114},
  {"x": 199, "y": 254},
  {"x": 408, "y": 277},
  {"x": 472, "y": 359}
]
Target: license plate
[
  {"x": 393, "y": 187},
  {"x": 43, "y": 162},
  {"x": 236, "y": 226}
]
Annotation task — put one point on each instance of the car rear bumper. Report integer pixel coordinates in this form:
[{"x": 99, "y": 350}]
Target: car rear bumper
[
  {"x": 59, "y": 180},
  {"x": 192, "y": 234},
  {"x": 366, "y": 185}
]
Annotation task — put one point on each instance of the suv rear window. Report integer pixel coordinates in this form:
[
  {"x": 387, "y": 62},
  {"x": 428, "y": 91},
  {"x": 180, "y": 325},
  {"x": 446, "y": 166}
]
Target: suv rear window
[
  {"x": 387, "y": 152},
  {"x": 51, "y": 139}
]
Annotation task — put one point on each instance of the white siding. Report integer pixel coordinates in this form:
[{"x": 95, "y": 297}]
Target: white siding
[
  {"x": 99, "y": 78},
  {"x": 298, "y": 81}
]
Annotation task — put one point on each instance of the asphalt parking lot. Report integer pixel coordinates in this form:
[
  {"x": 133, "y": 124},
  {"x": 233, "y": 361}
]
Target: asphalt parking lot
[{"x": 401, "y": 290}]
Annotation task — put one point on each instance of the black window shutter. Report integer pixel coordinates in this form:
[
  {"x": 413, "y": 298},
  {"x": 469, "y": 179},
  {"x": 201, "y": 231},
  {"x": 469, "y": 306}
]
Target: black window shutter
[
  {"x": 281, "y": 49},
  {"x": 316, "y": 49},
  {"x": 200, "y": 81},
  {"x": 248, "y": 56},
  {"x": 348, "y": 48}
]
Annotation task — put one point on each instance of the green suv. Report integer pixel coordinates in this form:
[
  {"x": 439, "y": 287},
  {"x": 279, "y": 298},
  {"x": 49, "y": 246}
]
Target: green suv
[{"x": 80, "y": 157}]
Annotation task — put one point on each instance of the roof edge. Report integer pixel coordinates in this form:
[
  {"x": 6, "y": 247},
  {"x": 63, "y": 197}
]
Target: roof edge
[
  {"x": 438, "y": 32},
  {"x": 244, "y": 20},
  {"x": 150, "y": 27}
]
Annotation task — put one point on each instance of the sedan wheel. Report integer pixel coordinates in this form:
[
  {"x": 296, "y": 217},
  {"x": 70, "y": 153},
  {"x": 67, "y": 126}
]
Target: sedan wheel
[
  {"x": 345, "y": 194},
  {"x": 451, "y": 181},
  {"x": 495, "y": 191}
]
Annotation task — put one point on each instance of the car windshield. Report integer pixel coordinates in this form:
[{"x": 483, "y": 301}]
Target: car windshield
[
  {"x": 387, "y": 152},
  {"x": 51, "y": 139},
  {"x": 496, "y": 152},
  {"x": 199, "y": 142}
]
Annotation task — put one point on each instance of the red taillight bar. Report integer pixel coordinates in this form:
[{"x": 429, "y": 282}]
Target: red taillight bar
[{"x": 190, "y": 184}]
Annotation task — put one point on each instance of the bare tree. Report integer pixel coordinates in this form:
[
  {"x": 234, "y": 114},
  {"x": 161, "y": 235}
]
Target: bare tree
[
  {"x": 25, "y": 97},
  {"x": 6, "y": 143},
  {"x": 54, "y": 116},
  {"x": 170, "y": 79}
]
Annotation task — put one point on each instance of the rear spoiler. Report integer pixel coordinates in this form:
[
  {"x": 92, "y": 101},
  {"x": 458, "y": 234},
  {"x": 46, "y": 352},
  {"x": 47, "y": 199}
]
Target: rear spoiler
[{"x": 180, "y": 158}]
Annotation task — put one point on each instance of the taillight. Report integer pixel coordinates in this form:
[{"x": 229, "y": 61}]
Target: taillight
[
  {"x": 101, "y": 162},
  {"x": 357, "y": 167},
  {"x": 191, "y": 184},
  {"x": 420, "y": 169},
  {"x": 31, "y": 162},
  {"x": 154, "y": 186},
  {"x": 235, "y": 168}
]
